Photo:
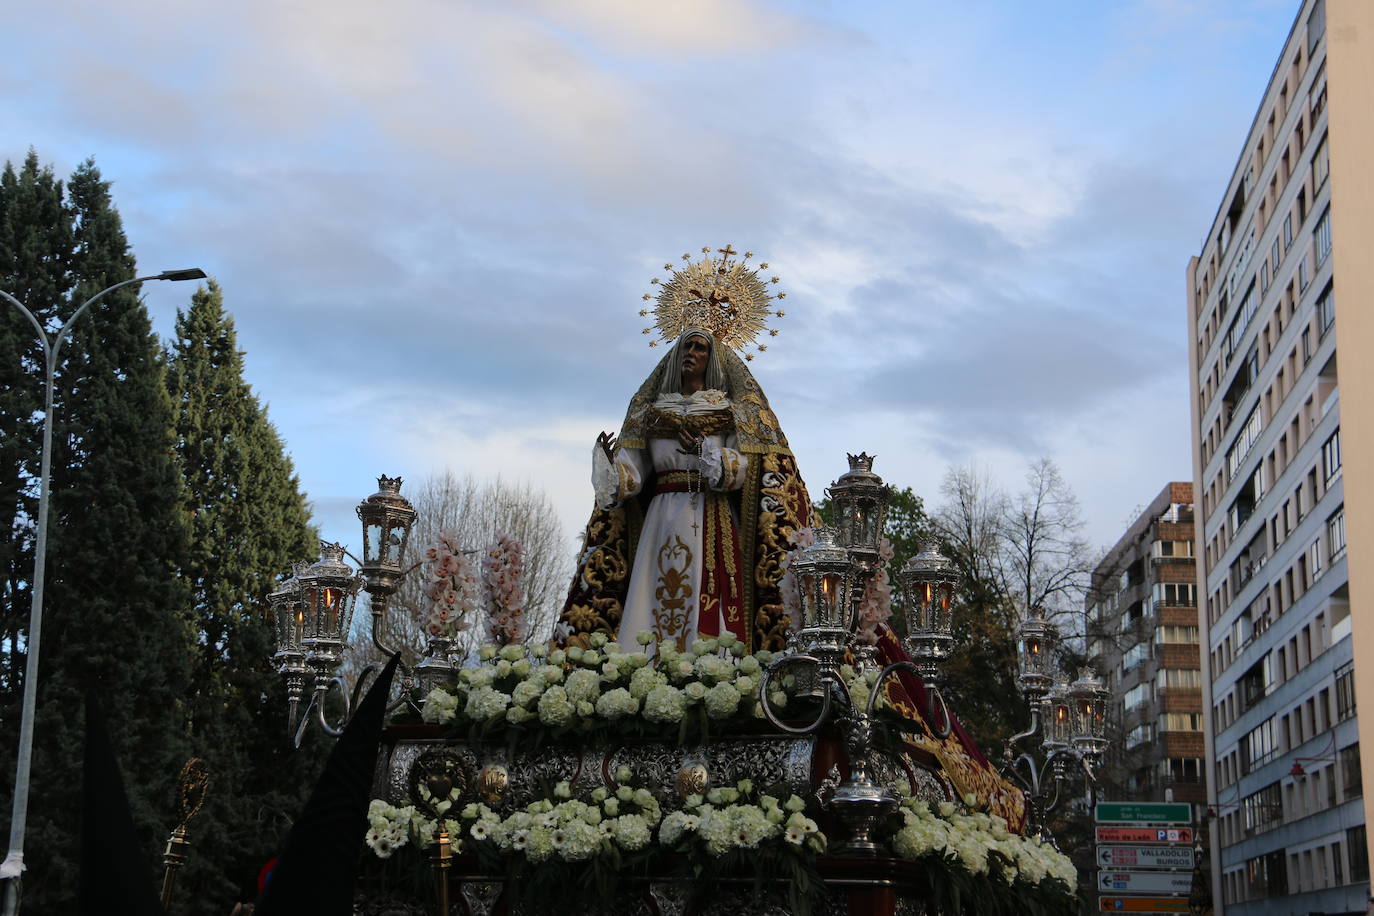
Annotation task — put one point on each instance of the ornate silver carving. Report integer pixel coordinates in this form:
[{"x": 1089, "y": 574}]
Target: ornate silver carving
[
  {"x": 439, "y": 771},
  {"x": 890, "y": 770},
  {"x": 481, "y": 896},
  {"x": 529, "y": 774},
  {"x": 909, "y": 906},
  {"x": 670, "y": 897},
  {"x": 931, "y": 786},
  {"x": 827, "y": 786}
]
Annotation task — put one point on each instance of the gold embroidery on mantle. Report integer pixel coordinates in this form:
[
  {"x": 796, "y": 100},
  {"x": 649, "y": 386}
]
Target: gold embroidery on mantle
[
  {"x": 674, "y": 591},
  {"x": 664, "y": 424}
]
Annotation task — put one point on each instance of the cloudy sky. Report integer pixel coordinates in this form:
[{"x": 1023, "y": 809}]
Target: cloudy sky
[{"x": 433, "y": 220}]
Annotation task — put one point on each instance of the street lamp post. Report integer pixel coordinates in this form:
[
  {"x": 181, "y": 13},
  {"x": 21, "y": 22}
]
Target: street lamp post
[{"x": 13, "y": 865}]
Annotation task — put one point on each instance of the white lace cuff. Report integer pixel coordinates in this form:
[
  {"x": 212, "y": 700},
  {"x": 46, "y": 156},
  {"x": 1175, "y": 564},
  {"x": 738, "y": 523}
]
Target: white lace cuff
[
  {"x": 710, "y": 462},
  {"x": 605, "y": 478}
]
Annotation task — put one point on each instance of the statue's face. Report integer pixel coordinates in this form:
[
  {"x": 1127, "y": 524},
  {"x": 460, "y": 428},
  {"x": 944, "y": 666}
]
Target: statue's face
[{"x": 696, "y": 351}]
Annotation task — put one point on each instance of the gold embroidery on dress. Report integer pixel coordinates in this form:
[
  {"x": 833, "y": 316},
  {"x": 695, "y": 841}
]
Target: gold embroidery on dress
[{"x": 674, "y": 591}]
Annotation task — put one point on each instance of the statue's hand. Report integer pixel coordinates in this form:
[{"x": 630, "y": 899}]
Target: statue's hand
[
  {"x": 691, "y": 445},
  {"x": 607, "y": 443}
]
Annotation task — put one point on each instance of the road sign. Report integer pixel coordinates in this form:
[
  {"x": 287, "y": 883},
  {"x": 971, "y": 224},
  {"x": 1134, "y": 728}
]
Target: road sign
[
  {"x": 1144, "y": 813},
  {"x": 1147, "y": 882},
  {"x": 1144, "y": 835},
  {"x": 1142, "y": 905},
  {"x": 1145, "y": 856}
]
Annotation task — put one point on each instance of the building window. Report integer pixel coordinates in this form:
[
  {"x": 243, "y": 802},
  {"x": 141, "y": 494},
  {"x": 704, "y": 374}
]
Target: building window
[
  {"x": 1180, "y": 722},
  {"x": 1345, "y": 692},
  {"x": 1259, "y": 745},
  {"x": 1322, "y": 237},
  {"x": 1136, "y": 696},
  {"x": 1245, "y": 440},
  {"x": 1350, "y": 771},
  {"x": 1358, "y": 852},
  {"x": 1321, "y": 165},
  {"x": 1181, "y": 770},
  {"x": 1331, "y": 458},
  {"x": 1175, "y": 594},
  {"x": 1304, "y": 276},
  {"x": 1326, "y": 309},
  {"x": 1263, "y": 810},
  {"x": 1141, "y": 734},
  {"x": 1335, "y": 534},
  {"x": 1316, "y": 25},
  {"x": 1178, "y": 678},
  {"x": 1173, "y": 548},
  {"x": 1170, "y": 635},
  {"x": 1266, "y": 876},
  {"x": 1287, "y": 232},
  {"x": 1136, "y": 655}
]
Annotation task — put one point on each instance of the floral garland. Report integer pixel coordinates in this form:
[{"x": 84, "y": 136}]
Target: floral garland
[
  {"x": 611, "y": 830},
  {"x": 970, "y": 860},
  {"x": 976, "y": 865},
  {"x": 538, "y": 692},
  {"x": 452, "y": 588},
  {"x": 501, "y": 569}
]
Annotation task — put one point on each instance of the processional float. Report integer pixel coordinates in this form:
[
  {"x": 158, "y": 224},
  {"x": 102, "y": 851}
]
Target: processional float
[{"x": 668, "y": 777}]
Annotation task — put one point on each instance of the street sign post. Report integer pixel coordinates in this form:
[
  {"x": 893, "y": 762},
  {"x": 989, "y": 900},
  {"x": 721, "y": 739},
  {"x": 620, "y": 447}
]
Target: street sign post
[
  {"x": 1144, "y": 835},
  {"x": 1111, "y": 857},
  {"x": 1144, "y": 813},
  {"x": 1142, "y": 905},
  {"x": 1145, "y": 882}
]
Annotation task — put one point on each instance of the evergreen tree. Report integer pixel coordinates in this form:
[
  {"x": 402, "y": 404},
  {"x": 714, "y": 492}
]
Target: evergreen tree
[
  {"x": 35, "y": 249},
  {"x": 248, "y": 522},
  {"x": 116, "y": 615}
]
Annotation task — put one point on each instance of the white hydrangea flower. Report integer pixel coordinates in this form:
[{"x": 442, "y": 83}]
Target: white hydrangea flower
[
  {"x": 664, "y": 704},
  {"x": 616, "y": 704},
  {"x": 645, "y": 680},
  {"x": 554, "y": 708},
  {"x": 440, "y": 707},
  {"x": 583, "y": 686},
  {"x": 486, "y": 703},
  {"x": 631, "y": 832},
  {"x": 721, "y": 701}
]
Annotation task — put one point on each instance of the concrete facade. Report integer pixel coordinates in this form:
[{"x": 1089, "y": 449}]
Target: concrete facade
[
  {"x": 1142, "y": 626},
  {"x": 1276, "y": 400}
]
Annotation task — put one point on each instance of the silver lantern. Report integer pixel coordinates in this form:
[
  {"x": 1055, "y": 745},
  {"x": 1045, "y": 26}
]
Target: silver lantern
[
  {"x": 1057, "y": 714},
  {"x": 328, "y": 589},
  {"x": 826, "y": 578},
  {"x": 928, "y": 583},
  {"x": 387, "y": 518},
  {"x": 859, "y": 504},
  {"x": 1088, "y": 699},
  {"x": 1036, "y": 644},
  {"x": 288, "y": 621}
]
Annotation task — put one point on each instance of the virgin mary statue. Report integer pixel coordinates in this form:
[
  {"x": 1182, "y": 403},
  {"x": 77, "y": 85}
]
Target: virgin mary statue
[{"x": 698, "y": 497}]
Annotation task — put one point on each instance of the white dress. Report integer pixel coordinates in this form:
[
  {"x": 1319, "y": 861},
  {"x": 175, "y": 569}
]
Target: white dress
[{"x": 667, "y": 595}]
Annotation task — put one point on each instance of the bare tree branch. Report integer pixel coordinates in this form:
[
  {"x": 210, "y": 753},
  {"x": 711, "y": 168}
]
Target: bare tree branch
[{"x": 476, "y": 511}]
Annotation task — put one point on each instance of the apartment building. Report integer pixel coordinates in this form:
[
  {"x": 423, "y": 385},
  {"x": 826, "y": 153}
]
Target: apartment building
[
  {"x": 1275, "y": 400},
  {"x": 1142, "y": 626}
]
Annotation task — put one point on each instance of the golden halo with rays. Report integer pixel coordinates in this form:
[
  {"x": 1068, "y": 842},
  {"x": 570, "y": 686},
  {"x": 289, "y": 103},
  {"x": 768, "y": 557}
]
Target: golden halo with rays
[{"x": 728, "y": 297}]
